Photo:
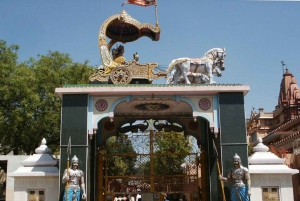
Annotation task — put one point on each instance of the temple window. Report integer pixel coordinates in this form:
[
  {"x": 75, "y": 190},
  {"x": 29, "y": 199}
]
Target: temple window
[
  {"x": 36, "y": 194},
  {"x": 268, "y": 122},
  {"x": 270, "y": 193}
]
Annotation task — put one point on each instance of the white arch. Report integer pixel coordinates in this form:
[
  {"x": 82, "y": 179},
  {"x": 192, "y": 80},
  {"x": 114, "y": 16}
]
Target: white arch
[{"x": 213, "y": 123}]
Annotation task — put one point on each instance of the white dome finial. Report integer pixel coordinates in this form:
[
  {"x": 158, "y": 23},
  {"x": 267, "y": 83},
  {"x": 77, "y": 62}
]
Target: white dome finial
[
  {"x": 260, "y": 140},
  {"x": 44, "y": 141},
  {"x": 43, "y": 149},
  {"x": 260, "y": 147}
]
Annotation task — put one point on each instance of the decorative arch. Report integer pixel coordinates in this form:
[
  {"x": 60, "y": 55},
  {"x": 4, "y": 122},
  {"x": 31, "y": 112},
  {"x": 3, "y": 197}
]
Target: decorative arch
[{"x": 213, "y": 123}]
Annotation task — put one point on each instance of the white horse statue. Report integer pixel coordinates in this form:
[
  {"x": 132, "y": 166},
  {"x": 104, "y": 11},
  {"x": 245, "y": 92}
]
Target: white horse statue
[{"x": 200, "y": 70}]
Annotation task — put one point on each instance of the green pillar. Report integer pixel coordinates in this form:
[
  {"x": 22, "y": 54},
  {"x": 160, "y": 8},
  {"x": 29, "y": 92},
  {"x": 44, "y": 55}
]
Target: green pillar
[
  {"x": 211, "y": 189},
  {"x": 74, "y": 125},
  {"x": 233, "y": 132},
  {"x": 205, "y": 161},
  {"x": 213, "y": 171}
]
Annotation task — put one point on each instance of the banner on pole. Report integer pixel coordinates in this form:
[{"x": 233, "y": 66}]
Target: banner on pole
[{"x": 141, "y": 2}]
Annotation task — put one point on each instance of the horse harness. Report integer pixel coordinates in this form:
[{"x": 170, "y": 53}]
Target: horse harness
[{"x": 197, "y": 62}]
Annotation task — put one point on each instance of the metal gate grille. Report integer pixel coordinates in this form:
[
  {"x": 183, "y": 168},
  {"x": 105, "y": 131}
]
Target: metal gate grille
[
  {"x": 181, "y": 178},
  {"x": 147, "y": 167}
]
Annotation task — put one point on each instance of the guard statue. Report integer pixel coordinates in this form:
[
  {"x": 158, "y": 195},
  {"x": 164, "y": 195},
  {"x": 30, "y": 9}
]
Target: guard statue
[
  {"x": 239, "y": 175},
  {"x": 74, "y": 179}
]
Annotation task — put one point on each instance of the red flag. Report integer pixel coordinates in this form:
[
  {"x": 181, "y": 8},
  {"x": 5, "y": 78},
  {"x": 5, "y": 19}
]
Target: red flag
[{"x": 141, "y": 2}]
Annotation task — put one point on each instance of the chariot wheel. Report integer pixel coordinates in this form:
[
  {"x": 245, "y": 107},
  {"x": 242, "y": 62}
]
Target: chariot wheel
[{"x": 120, "y": 75}]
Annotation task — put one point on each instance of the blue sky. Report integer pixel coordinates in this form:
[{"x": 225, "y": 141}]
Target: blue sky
[{"x": 257, "y": 35}]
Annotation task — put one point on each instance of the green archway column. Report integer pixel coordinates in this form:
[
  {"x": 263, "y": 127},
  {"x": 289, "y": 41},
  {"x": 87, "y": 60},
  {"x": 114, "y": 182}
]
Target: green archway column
[
  {"x": 215, "y": 191},
  {"x": 205, "y": 186},
  {"x": 232, "y": 132},
  {"x": 211, "y": 188},
  {"x": 92, "y": 168},
  {"x": 74, "y": 125}
]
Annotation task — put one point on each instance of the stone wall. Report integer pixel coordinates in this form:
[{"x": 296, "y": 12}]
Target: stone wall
[
  {"x": 283, "y": 182},
  {"x": 48, "y": 184},
  {"x": 13, "y": 163}
]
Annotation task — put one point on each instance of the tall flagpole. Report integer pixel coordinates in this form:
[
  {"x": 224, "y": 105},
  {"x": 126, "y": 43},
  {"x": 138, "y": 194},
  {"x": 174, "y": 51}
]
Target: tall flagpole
[
  {"x": 68, "y": 166},
  {"x": 156, "y": 13}
]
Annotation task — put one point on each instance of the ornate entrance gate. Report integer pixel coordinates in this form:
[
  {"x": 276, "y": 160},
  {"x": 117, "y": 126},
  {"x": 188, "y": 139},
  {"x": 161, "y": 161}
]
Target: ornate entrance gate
[
  {"x": 151, "y": 163},
  {"x": 92, "y": 115}
]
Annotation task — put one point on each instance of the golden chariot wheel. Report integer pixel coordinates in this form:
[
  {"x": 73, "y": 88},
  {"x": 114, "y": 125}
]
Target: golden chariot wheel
[{"x": 120, "y": 75}]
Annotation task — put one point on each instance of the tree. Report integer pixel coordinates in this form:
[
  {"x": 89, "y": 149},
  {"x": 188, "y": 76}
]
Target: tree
[
  {"x": 8, "y": 65},
  {"x": 123, "y": 160},
  {"x": 250, "y": 149},
  {"x": 30, "y": 109},
  {"x": 173, "y": 149}
]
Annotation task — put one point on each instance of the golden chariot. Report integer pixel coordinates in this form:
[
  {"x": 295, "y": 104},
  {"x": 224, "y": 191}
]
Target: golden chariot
[{"x": 123, "y": 28}]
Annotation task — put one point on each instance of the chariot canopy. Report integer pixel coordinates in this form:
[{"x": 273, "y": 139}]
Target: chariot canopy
[{"x": 122, "y": 28}]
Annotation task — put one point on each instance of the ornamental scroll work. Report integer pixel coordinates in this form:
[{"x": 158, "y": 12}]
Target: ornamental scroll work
[{"x": 204, "y": 103}]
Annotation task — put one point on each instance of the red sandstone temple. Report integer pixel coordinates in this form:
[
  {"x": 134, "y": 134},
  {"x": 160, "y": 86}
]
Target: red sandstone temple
[{"x": 280, "y": 129}]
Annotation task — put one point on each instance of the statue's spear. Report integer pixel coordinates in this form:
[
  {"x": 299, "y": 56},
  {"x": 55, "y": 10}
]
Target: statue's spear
[
  {"x": 68, "y": 166},
  {"x": 219, "y": 171}
]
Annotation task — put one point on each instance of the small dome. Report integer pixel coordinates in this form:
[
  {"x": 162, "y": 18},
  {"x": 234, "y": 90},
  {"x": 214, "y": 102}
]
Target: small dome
[
  {"x": 260, "y": 147},
  {"x": 43, "y": 149}
]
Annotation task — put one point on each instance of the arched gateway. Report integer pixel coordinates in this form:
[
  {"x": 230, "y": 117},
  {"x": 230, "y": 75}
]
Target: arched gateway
[
  {"x": 210, "y": 113},
  {"x": 93, "y": 114}
]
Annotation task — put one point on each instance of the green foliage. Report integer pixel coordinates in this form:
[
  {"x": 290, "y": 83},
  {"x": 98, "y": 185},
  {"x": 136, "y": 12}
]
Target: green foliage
[
  {"x": 171, "y": 149},
  {"x": 250, "y": 150},
  {"x": 120, "y": 164},
  {"x": 29, "y": 107}
]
